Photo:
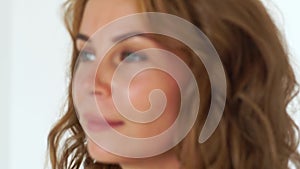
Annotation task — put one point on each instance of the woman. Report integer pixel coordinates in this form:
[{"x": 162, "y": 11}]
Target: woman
[{"x": 255, "y": 130}]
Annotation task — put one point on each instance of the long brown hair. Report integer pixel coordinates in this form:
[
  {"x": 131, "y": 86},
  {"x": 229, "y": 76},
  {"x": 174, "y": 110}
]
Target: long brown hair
[{"x": 255, "y": 131}]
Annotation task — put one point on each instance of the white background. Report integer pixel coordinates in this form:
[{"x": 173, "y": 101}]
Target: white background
[{"x": 34, "y": 56}]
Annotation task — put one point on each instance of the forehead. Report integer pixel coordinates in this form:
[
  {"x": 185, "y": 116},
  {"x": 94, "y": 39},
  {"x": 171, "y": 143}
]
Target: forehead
[{"x": 98, "y": 13}]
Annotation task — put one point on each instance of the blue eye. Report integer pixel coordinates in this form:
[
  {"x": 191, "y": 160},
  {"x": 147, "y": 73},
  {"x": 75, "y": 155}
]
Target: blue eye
[
  {"x": 132, "y": 57},
  {"x": 87, "y": 56}
]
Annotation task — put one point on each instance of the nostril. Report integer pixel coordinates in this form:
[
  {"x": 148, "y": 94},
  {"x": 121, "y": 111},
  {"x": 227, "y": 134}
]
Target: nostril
[
  {"x": 98, "y": 92},
  {"x": 102, "y": 90}
]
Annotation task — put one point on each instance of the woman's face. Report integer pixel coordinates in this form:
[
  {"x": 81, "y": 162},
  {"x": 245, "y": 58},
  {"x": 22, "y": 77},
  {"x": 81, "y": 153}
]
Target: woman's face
[{"x": 97, "y": 14}]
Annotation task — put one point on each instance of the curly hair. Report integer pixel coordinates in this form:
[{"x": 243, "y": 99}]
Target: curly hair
[{"x": 255, "y": 131}]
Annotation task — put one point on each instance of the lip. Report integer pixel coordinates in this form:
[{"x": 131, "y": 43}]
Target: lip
[{"x": 95, "y": 124}]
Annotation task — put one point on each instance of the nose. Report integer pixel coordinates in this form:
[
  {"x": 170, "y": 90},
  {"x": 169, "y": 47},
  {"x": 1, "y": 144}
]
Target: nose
[{"x": 103, "y": 78}]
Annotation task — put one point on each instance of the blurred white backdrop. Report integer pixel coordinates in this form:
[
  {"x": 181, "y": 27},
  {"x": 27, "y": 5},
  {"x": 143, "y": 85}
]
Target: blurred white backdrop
[{"x": 34, "y": 57}]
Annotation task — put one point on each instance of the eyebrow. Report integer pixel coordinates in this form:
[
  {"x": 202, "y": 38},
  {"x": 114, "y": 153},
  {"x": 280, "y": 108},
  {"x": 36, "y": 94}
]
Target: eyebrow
[
  {"x": 82, "y": 37},
  {"x": 126, "y": 36},
  {"x": 122, "y": 37}
]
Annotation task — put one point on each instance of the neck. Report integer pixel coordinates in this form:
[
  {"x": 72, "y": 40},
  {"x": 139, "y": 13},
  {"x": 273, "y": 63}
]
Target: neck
[{"x": 167, "y": 160}]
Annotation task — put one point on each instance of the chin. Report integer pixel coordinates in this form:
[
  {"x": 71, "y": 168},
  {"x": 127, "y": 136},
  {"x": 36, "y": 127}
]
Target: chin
[{"x": 102, "y": 156}]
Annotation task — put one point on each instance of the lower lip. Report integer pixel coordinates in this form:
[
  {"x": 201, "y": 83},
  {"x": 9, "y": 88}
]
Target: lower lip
[{"x": 95, "y": 126}]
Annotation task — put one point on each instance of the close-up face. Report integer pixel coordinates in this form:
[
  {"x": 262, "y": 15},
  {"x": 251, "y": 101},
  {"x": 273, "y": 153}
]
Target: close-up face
[
  {"x": 96, "y": 82},
  {"x": 138, "y": 69}
]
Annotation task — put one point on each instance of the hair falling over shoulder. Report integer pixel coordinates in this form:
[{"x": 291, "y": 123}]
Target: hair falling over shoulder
[{"x": 255, "y": 131}]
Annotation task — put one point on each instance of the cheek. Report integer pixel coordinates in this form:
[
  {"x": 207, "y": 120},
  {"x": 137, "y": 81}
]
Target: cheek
[{"x": 141, "y": 87}]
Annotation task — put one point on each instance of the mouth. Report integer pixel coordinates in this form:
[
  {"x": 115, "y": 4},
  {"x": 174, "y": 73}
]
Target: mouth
[{"x": 95, "y": 124}]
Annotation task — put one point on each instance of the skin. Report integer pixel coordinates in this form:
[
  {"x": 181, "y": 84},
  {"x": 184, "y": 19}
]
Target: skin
[{"x": 97, "y": 14}]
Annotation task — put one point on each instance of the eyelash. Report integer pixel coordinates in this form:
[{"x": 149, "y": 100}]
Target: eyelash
[
  {"x": 125, "y": 56},
  {"x": 129, "y": 57}
]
